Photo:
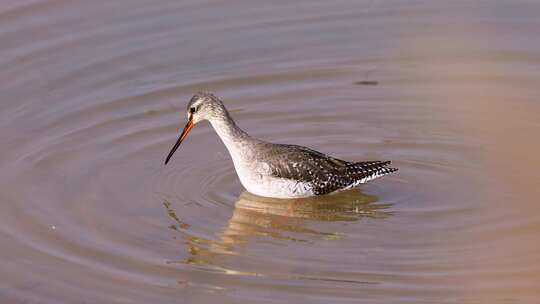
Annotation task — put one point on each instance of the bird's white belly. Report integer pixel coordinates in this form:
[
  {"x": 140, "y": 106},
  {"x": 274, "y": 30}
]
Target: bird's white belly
[
  {"x": 257, "y": 180},
  {"x": 277, "y": 187}
]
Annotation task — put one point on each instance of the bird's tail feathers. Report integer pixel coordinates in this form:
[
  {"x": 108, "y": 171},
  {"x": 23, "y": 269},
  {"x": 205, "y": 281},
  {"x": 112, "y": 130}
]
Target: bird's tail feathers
[{"x": 371, "y": 170}]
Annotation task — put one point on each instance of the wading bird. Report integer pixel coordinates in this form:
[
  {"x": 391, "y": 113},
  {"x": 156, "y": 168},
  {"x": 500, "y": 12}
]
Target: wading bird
[{"x": 278, "y": 170}]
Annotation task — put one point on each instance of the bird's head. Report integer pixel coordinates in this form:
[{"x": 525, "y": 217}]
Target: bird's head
[{"x": 202, "y": 106}]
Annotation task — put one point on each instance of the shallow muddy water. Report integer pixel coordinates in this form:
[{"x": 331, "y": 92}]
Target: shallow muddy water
[{"x": 93, "y": 94}]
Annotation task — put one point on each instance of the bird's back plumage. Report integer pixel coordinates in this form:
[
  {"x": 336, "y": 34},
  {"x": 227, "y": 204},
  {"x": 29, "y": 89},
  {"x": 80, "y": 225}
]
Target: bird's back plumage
[{"x": 324, "y": 174}]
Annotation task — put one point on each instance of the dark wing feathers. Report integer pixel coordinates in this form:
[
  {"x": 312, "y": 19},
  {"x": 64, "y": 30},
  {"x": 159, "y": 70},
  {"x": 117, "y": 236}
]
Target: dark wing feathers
[{"x": 325, "y": 174}]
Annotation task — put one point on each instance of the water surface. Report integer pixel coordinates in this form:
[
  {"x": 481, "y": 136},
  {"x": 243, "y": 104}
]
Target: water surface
[{"x": 93, "y": 95}]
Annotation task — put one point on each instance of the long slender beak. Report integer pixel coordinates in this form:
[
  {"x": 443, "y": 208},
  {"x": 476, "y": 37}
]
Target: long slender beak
[{"x": 184, "y": 134}]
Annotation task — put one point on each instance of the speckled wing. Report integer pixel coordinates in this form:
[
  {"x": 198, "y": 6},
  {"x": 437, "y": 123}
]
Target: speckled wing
[{"x": 324, "y": 173}]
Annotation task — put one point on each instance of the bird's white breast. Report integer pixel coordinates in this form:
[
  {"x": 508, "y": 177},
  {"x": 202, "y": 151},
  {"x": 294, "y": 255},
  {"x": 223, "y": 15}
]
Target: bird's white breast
[
  {"x": 256, "y": 178},
  {"x": 256, "y": 175}
]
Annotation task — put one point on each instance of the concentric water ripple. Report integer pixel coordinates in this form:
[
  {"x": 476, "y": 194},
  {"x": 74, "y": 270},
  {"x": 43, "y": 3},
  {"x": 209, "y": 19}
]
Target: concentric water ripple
[{"x": 94, "y": 96}]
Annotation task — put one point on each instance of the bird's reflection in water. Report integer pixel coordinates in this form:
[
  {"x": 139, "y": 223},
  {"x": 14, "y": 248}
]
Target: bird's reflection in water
[{"x": 256, "y": 217}]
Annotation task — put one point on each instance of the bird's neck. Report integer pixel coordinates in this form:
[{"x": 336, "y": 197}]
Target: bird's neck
[{"x": 231, "y": 135}]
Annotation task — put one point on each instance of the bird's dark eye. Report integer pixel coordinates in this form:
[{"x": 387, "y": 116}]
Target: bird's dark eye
[{"x": 192, "y": 110}]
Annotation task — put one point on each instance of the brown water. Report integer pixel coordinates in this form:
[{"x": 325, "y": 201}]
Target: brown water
[{"x": 93, "y": 94}]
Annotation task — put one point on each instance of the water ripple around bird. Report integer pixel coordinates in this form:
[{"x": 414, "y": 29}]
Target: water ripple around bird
[{"x": 94, "y": 97}]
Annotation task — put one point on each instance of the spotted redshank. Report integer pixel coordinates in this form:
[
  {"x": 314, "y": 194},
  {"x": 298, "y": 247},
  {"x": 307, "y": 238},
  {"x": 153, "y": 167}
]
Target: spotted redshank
[{"x": 278, "y": 170}]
